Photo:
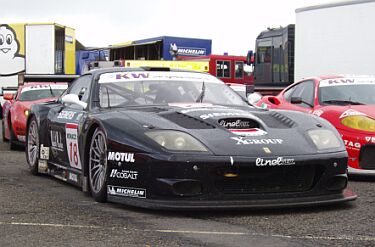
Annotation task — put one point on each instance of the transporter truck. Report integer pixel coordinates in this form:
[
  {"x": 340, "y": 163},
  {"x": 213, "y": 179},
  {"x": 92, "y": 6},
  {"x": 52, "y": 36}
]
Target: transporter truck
[{"x": 332, "y": 38}]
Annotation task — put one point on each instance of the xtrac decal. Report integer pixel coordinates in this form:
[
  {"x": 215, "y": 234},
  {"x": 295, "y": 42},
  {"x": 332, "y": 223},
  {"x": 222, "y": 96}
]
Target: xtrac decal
[
  {"x": 351, "y": 112},
  {"x": 72, "y": 145},
  {"x": 279, "y": 161},
  {"x": 121, "y": 157},
  {"x": 69, "y": 115},
  {"x": 124, "y": 174},
  {"x": 125, "y": 191},
  {"x": 250, "y": 141},
  {"x": 370, "y": 139}
]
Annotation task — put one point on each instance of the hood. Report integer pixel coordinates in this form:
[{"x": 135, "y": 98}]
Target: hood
[
  {"x": 335, "y": 114},
  {"x": 242, "y": 131}
]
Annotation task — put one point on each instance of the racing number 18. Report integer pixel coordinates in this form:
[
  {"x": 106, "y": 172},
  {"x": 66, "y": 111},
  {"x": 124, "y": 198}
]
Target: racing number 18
[
  {"x": 73, "y": 152},
  {"x": 72, "y": 145}
]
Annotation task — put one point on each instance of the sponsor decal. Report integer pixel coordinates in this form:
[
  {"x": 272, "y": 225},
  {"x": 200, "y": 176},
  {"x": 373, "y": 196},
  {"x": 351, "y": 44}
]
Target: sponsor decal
[
  {"x": 247, "y": 141},
  {"x": 72, "y": 145},
  {"x": 133, "y": 75},
  {"x": 44, "y": 153},
  {"x": 68, "y": 39},
  {"x": 279, "y": 161},
  {"x": 267, "y": 150},
  {"x": 190, "y": 105},
  {"x": 124, "y": 174},
  {"x": 351, "y": 112},
  {"x": 224, "y": 114},
  {"x": 317, "y": 112},
  {"x": 73, "y": 177},
  {"x": 126, "y": 191},
  {"x": 21, "y": 138},
  {"x": 56, "y": 140},
  {"x": 123, "y": 157},
  {"x": 174, "y": 50},
  {"x": 235, "y": 123},
  {"x": 370, "y": 139},
  {"x": 66, "y": 115},
  {"x": 248, "y": 132},
  {"x": 352, "y": 145},
  {"x": 346, "y": 81}
]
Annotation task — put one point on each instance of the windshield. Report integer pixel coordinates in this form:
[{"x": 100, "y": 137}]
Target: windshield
[
  {"x": 41, "y": 92},
  {"x": 354, "y": 94},
  {"x": 156, "y": 92}
]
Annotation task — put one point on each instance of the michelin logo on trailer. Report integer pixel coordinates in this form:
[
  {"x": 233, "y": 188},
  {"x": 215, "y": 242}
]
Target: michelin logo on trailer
[{"x": 185, "y": 51}]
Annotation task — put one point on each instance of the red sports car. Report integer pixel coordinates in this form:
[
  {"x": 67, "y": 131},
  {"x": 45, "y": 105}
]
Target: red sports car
[
  {"x": 17, "y": 106},
  {"x": 347, "y": 102}
]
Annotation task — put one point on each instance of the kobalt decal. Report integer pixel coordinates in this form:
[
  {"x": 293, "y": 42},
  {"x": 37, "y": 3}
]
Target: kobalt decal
[
  {"x": 246, "y": 141},
  {"x": 66, "y": 115},
  {"x": 56, "y": 140},
  {"x": 72, "y": 145},
  {"x": 132, "y": 75},
  {"x": 350, "y": 144},
  {"x": 351, "y": 112},
  {"x": 370, "y": 139},
  {"x": 279, "y": 161},
  {"x": 124, "y": 174},
  {"x": 129, "y": 192},
  {"x": 116, "y": 156}
]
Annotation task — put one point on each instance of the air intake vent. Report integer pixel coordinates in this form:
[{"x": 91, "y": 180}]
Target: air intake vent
[
  {"x": 186, "y": 121},
  {"x": 276, "y": 120}
]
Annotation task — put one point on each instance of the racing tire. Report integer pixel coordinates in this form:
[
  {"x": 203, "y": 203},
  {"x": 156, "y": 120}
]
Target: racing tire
[
  {"x": 32, "y": 146},
  {"x": 12, "y": 139},
  {"x": 98, "y": 166}
]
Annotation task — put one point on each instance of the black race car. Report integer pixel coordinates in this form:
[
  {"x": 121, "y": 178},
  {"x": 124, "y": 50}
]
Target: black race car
[{"x": 168, "y": 139}]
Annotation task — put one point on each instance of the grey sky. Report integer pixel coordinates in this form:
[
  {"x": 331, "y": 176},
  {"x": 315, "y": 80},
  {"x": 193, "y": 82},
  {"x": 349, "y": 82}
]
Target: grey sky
[{"x": 232, "y": 25}]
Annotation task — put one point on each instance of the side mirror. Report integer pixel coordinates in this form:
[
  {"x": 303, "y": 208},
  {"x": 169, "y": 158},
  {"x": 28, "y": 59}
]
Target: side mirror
[
  {"x": 8, "y": 96},
  {"x": 253, "y": 98},
  {"x": 296, "y": 100},
  {"x": 73, "y": 99}
]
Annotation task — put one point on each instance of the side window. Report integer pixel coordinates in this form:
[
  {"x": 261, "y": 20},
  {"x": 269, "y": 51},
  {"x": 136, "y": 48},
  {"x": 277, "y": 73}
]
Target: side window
[
  {"x": 304, "y": 90},
  {"x": 81, "y": 87},
  {"x": 238, "y": 70},
  {"x": 223, "y": 69}
]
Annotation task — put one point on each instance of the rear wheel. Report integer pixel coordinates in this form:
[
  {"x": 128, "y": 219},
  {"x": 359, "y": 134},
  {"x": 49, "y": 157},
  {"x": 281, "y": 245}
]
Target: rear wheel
[
  {"x": 98, "y": 166},
  {"x": 32, "y": 146}
]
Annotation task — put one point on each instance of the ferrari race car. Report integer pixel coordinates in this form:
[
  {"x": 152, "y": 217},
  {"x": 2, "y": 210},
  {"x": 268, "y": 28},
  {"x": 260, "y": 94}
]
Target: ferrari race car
[
  {"x": 17, "y": 107},
  {"x": 347, "y": 102},
  {"x": 170, "y": 139}
]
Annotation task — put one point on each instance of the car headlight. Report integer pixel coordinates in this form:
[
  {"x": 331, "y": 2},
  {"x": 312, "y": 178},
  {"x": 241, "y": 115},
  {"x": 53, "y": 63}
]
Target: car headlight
[
  {"x": 176, "y": 140},
  {"x": 26, "y": 112},
  {"x": 359, "y": 123},
  {"x": 324, "y": 139}
]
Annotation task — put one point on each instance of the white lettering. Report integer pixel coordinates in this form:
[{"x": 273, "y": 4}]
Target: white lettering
[
  {"x": 117, "y": 156},
  {"x": 279, "y": 161},
  {"x": 246, "y": 141},
  {"x": 124, "y": 174}
]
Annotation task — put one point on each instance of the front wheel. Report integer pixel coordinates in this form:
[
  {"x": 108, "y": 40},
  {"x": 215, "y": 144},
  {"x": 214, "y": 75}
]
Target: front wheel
[
  {"x": 32, "y": 146},
  {"x": 98, "y": 166}
]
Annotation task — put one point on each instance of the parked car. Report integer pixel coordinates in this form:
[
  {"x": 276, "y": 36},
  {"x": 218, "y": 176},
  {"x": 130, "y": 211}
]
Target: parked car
[
  {"x": 346, "y": 102},
  {"x": 17, "y": 107},
  {"x": 169, "y": 139}
]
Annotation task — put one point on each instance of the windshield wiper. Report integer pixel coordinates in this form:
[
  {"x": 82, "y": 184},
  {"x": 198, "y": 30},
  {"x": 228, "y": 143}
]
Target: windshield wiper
[
  {"x": 50, "y": 89},
  {"x": 342, "y": 102},
  {"x": 201, "y": 95}
]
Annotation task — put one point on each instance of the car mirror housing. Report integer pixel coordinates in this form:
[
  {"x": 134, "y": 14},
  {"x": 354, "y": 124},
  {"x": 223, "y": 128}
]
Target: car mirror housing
[
  {"x": 73, "y": 99},
  {"x": 253, "y": 98}
]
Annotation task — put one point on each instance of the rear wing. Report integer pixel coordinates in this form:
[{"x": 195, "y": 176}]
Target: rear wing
[{"x": 23, "y": 78}]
